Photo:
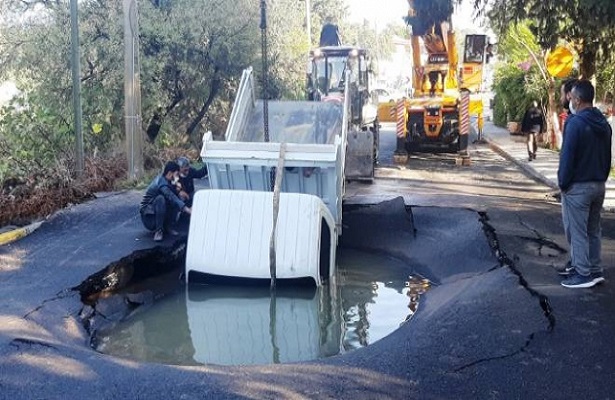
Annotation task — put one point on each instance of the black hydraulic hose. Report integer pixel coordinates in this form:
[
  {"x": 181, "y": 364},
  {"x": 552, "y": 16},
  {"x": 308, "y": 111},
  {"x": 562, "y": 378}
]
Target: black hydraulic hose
[
  {"x": 263, "y": 27},
  {"x": 272, "y": 176},
  {"x": 265, "y": 73}
]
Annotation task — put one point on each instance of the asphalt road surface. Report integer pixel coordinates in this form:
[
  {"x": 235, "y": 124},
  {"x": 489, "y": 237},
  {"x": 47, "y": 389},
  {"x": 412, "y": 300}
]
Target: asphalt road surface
[{"x": 496, "y": 324}]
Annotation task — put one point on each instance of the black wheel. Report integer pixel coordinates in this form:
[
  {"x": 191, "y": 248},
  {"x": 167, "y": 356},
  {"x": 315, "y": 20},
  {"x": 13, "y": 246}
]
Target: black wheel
[{"x": 413, "y": 147}]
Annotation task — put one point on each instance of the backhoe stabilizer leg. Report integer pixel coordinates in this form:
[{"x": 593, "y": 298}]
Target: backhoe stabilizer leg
[
  {"x": 400, "y": 156},
  {"x": 463, "y": 156}
]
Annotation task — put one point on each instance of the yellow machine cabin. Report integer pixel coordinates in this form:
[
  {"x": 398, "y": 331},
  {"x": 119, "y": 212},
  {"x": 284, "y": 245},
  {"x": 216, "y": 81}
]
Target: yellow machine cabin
[{"x": 329, "y": 66}]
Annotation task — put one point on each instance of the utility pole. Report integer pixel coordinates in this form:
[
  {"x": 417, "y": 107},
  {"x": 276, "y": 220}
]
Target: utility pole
[
  {"x": 76, "y": 69},
  {"x": 132, "y": 91},
  {"x": 308, "y": 22}
]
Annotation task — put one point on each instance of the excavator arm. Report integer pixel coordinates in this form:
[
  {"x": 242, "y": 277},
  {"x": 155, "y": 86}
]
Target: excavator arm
[{"x": 434, "y": 116}]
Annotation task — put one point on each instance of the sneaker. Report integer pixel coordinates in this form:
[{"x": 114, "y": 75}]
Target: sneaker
[
  {"x": 158, "y": 236},
  {"x": 578, "y": 281},
  {"x": 565, "y": 270},
  {"x": 597, "y": 277}
]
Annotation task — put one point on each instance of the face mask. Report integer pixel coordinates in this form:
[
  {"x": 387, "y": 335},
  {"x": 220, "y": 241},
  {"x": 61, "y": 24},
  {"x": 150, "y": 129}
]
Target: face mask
[{"x": 571, "y": 107}]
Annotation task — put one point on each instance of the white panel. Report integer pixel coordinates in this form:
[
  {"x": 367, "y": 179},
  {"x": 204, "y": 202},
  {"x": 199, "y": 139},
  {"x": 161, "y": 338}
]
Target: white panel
[
  {"x": 230, "y": 232},
  {"x": 245, "y": 166},
  {"x": 233, "y": 331}
]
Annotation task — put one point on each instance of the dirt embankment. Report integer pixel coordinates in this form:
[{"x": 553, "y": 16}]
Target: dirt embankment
[{"x": 23, "y": 200}]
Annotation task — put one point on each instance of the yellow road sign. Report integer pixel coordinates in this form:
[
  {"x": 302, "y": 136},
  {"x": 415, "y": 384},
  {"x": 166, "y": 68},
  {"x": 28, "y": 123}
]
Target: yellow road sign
[{"x": 560, "y": 62}]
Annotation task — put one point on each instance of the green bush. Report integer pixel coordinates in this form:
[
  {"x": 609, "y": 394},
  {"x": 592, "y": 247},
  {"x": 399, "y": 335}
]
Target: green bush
[
  {"x": 511, "y": 97},
  {"x": 515, "y": 89}
]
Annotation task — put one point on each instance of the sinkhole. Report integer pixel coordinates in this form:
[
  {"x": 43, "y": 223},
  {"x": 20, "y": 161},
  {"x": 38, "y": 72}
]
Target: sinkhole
[{"x": 140, "y": 308}]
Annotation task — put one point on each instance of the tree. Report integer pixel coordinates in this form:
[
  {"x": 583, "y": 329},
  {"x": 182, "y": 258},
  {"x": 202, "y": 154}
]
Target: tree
[
  {"x": 192, "y": 55},
  {"x": 288, "y": 49},
  {"x": 190, "y": 63},
  {"x": 379, "y": 44},
  {"x": 589, "y": 25},
  {"x": 36, "y": 127},
  {"x": 427, "y": 14},
  {"x": 523, "y": 55},
  {"x": 192, "y": 58},
  {"x": 518, "y": 80}
]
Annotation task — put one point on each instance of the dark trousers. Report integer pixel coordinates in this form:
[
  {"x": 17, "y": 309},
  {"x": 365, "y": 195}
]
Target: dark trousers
[
  {"x": 158, "y": 214},
  {"x": 581, "y": 207},
  {"x": 531, "y": 144},
  {"x": 188, "y": 201}
]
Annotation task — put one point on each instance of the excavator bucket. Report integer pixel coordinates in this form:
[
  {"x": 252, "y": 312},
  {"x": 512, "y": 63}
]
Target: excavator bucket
[{"x": 360, "y": 155}]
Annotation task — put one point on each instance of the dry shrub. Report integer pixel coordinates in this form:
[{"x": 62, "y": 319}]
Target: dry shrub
[
  {"x": 156, "y": 159},
  {"x": 102, "y": 173},
  {"x": 23, "y": 200},
  {"x": 41, "y": 194}
]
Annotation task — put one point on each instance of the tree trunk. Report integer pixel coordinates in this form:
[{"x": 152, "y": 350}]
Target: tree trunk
[
  {"x": 155, "y": 123},
  {"x": 153, "y": 128},
  {"x": 215, "y": 86},
  {"x": 588, "y": 61},
  {"x": 554, "y": 134}
]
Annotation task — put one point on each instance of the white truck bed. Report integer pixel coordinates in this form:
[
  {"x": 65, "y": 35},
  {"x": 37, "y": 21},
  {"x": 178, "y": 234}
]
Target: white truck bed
[{"x": 231, "y": 224}]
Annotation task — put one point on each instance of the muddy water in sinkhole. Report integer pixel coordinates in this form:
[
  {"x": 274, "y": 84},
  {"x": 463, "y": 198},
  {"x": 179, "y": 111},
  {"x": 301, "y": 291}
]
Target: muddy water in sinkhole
[{"x": 231, "y": 325}]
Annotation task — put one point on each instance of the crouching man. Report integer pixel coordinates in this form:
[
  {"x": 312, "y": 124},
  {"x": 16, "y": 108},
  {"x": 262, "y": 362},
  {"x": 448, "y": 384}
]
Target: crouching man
[
  {"x": 160, "y": 206},
  {"x": 187, "y": 175}
]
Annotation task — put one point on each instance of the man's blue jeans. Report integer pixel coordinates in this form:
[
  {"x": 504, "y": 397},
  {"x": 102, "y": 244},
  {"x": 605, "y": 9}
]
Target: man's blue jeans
[
  {"x": 581, "y": 207},
  {"x": 159, "y": 214}
]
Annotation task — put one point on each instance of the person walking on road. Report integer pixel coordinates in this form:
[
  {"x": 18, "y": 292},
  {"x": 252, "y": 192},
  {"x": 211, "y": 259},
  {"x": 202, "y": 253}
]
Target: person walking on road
[
  {"x": 585, "y": 163},
  {"x": 161, "y": 205},
  {"x": 533, "y": 123}
]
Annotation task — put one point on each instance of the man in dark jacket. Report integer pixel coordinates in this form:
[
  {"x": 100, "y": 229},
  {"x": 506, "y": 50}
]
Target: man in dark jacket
[
  {"x": 585, "y": 163},
  {"x": 564, "y": 99},
  {"x": 533, "y": 123},
  {"x": 565, "y": 91},
  {"x": 187, "y": 175},
  {"x": 161, "y": 205}
]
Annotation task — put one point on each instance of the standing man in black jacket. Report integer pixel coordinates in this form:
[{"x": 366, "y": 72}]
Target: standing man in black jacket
[
  {"x": 585, "y": 163},
  {"x": 161, "y": 205}
]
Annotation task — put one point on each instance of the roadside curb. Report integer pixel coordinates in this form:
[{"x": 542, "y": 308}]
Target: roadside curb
[
  {"x": 16, "y": 234},
  {"x": 526, "y": 168},
  {"x": 532, "y": 172},
  {"x": 21, "y": 232}
]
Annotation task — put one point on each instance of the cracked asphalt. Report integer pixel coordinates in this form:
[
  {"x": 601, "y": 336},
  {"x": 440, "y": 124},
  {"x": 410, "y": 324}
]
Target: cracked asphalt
[{"x": 495, "y": 325}]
